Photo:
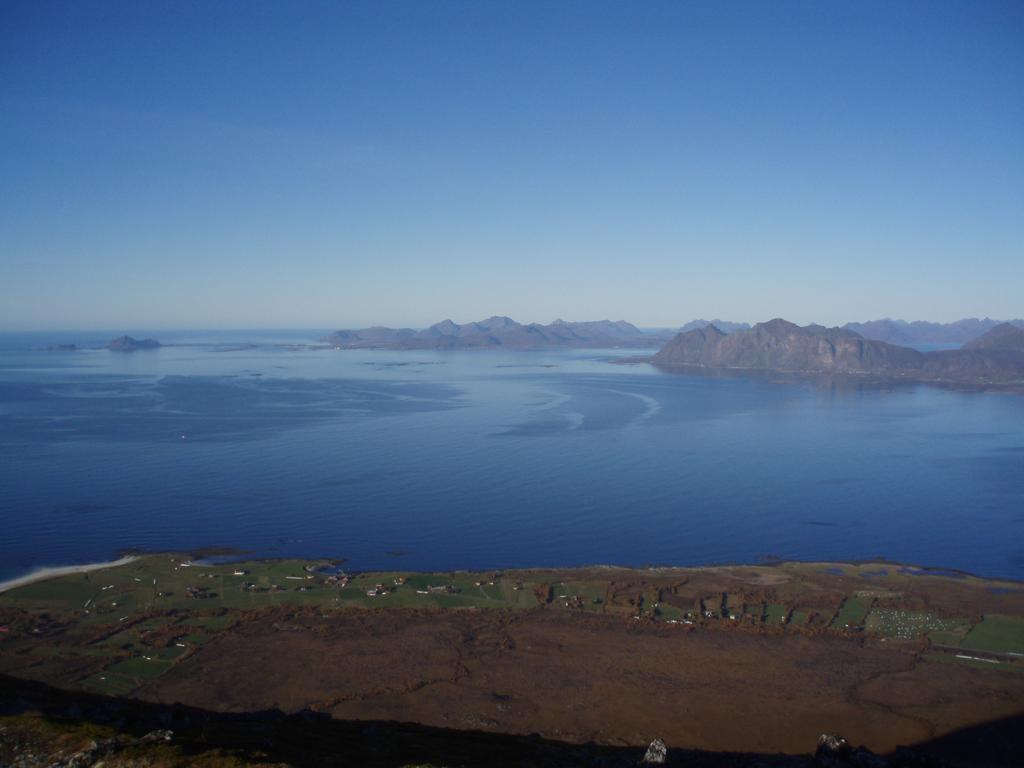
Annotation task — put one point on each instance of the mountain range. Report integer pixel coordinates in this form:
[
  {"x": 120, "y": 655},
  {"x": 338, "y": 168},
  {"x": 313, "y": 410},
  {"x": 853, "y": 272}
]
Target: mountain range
[
  {"x": 778, "y": 345},
  {"x": 502, "y": 332},
  {"x": 723, "y": 325},
  {"x": 923, "y": 332}
]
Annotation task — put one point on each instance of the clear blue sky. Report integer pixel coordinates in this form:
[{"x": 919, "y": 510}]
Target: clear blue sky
[{"x": 219, "y": 164}]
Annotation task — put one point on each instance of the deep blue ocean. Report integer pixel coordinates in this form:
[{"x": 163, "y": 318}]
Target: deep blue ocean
[{"x": 447, "y": 460}]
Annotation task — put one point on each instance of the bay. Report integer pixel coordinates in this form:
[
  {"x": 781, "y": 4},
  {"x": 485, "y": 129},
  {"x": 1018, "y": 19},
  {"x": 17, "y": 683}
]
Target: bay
[{"x": 262, "y": 442}]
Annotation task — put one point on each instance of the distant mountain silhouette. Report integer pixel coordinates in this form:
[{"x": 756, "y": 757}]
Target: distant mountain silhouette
[
  {"x": 128, "y": 344},
  {"x": 1003, "y": 336},
  {"x": 922, "y": 332},
  {"x": 723, "y": 325},
  {"x": 779, "y": 345},
  {"x": 500, "y": 332}
]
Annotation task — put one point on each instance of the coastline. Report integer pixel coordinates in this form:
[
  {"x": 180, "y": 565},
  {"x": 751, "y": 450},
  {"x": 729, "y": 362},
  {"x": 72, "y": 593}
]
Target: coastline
[
  {"x": 45, "y": 573},
  {"x": 175, "y": 630},
  {"x": 966, "y": 384}
]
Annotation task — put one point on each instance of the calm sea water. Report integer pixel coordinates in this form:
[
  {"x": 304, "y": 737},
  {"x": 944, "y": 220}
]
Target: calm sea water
[{"x": 431, "y": 460}]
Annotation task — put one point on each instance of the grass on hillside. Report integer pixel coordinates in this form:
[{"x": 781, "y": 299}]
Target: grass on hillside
[
  {"x": 998, "y": 634},
  {"x": 851, "y": 614}
]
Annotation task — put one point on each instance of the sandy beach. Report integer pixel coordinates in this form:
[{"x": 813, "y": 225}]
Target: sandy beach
[{"x": 42, "y": 574}]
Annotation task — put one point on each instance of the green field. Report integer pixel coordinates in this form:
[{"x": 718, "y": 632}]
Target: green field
[
  {"x": 162, "y": 583},
  {"x": 109, "y": 684},
  {"x": 126, "y": 675},
  {"x": 851, "y": 614},
  {"x": 667, "y": 612},
  {"x": 997, "y": 634},
  {"x": 775, "y": 614},
  {"x": 133, "y": 622},
  {"x": 144, "y": 616},
  {"x": 590, "y": 595}
]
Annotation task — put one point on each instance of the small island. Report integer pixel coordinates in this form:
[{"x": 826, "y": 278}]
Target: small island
[{"x": 130, "y": 344}]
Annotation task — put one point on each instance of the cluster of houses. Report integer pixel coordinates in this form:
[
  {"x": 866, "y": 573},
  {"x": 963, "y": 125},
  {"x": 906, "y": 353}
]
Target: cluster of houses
[
  {"x": 573, "y": 601},
  {"x": 379, "y": 590}
]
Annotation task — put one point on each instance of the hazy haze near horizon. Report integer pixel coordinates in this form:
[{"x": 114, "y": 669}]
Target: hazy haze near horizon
[{"x": 323, "y": 165}]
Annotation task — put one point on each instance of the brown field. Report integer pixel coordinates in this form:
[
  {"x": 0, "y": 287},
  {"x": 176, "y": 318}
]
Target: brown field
[
  {"x": 578, "y": 678},
  {"x": 755, "y": 660}
]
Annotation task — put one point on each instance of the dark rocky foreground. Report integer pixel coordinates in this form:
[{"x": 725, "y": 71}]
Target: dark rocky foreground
[{"x": 45, "y": 726}]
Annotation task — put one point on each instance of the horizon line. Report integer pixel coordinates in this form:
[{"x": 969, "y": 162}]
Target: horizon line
[{"x": 121, "y": 329}]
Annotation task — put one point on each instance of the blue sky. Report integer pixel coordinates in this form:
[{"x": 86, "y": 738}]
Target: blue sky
[{"x": 340, "y": 164}]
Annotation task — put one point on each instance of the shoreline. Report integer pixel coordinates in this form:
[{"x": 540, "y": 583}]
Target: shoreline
[
  {"x": 50, "y": 572},
  {"x": 45, "y": 573},
  {"x": 878, "y": 378}
]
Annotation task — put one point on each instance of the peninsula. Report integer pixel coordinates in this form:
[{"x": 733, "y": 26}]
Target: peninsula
[{"x": 996, "y": 357}]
